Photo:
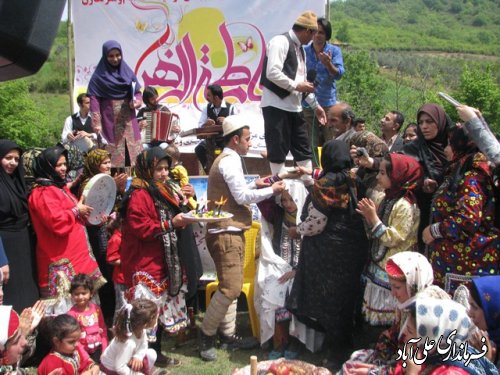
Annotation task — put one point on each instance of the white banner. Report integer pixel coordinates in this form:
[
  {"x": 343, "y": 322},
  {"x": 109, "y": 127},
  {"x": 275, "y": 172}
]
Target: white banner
[{"x": 181, "y": 46}]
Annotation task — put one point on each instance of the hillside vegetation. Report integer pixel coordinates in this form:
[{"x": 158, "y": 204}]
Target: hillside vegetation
[
  {"x": 399, "y": 53},
  {"x": 426, "y": 25}
]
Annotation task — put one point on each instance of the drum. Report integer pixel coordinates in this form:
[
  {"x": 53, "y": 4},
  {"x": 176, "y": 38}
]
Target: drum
[
  {"x": 84, "y": 144},
  {"x": 100, "y": 194}
]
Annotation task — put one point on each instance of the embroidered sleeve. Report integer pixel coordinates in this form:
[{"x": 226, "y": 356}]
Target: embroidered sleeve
[
  {"x": 402, "y": 224},
  {"x": 314, "y": 223},
  {"x": 467, "y": 214}
]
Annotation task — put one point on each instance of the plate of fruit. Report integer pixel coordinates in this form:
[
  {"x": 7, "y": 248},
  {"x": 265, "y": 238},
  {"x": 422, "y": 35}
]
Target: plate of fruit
[
  {"x": 283, "y": 367},
  {"x": 207, "y": 216}
]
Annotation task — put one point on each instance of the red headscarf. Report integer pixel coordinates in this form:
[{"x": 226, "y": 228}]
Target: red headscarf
[
  {"x": 9, "y": 323},
  {"x": 405, "y": 176}
]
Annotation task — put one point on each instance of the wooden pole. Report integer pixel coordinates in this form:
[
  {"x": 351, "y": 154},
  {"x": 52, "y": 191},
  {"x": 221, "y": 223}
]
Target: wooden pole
[
  {"x": 327, "y": 10},
  {"x": 70, "y": 59}
]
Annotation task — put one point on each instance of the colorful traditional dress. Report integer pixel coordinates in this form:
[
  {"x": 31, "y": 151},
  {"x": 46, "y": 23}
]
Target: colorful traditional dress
[
  {"x": 111, "y": 89},
  {"x": 334, "y": 248},
  {"x": 94, "y": 331},
  {"x": 21, "y": 291},
  {"x": 75, "y": 364},
  {"x": 467, "y": 243},
  {"x": 150, "y": 255},
  {"x": 413, "y": 268},
  {"x": 396, "y": 232},
  {"x": 62, "y": 249}
]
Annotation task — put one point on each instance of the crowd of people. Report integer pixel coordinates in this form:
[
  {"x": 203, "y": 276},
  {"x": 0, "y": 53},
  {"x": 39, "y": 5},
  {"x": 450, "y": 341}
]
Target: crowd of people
[{"x": 386, "y": 229}]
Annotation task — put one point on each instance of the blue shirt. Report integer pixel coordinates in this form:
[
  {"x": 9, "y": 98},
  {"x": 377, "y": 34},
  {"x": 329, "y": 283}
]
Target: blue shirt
[
  {"x": 3, "y": 257},
  {"x": 326, "y": 90}
]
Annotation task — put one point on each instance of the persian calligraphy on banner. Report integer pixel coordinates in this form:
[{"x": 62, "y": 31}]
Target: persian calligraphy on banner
[{"x": 181, "y": 46}]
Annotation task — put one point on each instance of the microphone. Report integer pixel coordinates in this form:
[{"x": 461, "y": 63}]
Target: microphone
[{"x": 311, "y": 77}]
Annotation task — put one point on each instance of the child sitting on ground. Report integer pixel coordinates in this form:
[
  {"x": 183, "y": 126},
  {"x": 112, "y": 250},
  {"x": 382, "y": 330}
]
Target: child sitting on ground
[
  {"x": 68, "y": 356},
  {"x": 128, "y": 352}
]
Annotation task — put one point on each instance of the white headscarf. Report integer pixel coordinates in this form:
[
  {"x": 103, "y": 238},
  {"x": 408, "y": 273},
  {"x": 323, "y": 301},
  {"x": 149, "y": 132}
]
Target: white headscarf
[
  {"x": 437, "y": 317},
  {"x": 298, "y": 192},
  {"x": 269, "y": 294},
  {"x": 417, "y": 272}
]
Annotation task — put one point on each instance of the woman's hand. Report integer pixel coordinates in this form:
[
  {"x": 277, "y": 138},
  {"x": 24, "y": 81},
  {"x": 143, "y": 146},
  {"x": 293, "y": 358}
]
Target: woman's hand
[
  {"x": 366, "y": 208},
  {"x": 5, "y": 270},
  {"x": 357, "y": 368},
  {"x": 135, "y": 364},
  {"x": 475, "y": 341},
  {"x": 37, "y": 313},
  {"x": 120, "y": 181},
  {"x": 427, "y": 236},
  {"x": 188, "y": 191},
  {"x": 262, "y": 182},
  {"x": 25, "y": 320},
  {"x": 467, "y": 113},
  {"x": 430, "y": 185},
  {"x": 180, "y": 221},
  {"x": 83, "y": 210},
  {"x": 292, "y": 233},
  {"x": 286, "y": 276}
]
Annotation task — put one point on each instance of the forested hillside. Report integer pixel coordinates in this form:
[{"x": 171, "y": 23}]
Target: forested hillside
[{"x": 397, "y": 53}]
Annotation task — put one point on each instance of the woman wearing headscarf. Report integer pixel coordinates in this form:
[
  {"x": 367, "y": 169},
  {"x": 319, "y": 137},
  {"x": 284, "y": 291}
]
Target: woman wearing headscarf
[
  {"x": 410, "y": 275},
  {"x": 99, "y": 161},
  {"x": 114, "y": 96},
  {"x": 21, "y": 290},
  {"x": 443, "y": 328},
  {"x": 485, "y": 311},
  {"x": 428, "y": 149},
  {"x": 276, "y": 265},
  {"x": 462, "y": 238},
  {"x": 334, "y": 248},
  {"x": 62, "y": 250},
  {"x": 150, "y": 258}
]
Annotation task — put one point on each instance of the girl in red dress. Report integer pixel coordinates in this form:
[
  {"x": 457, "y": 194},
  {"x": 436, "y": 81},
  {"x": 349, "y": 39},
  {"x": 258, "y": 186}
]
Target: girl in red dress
[{"x": 67, "y": 354}]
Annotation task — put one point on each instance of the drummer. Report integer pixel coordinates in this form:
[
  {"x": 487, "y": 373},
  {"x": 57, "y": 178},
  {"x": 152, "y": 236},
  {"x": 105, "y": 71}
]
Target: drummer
[
  {"x": 99, "y": 161},
  {"x": 225, "y": 240},
  {"x": 78, "y": 127}
]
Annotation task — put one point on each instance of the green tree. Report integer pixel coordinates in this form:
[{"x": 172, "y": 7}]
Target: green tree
[
  {"x": 343, "y": 33},
  {"x": 479, "y": 89},
  {"x": 361, "y": 86},
  {"x": 20, "y": 119}
]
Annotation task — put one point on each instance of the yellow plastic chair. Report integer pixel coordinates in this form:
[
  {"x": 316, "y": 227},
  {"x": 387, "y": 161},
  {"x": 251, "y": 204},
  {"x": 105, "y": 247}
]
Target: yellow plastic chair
[{"x": 248, "y": 277}]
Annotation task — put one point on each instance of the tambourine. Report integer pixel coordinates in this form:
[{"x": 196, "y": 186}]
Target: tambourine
[{"x": 100, "y": 194}]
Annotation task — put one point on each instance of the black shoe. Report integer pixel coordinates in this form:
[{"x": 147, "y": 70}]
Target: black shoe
[
  {"x": 207, "y": 347},
  {"x": 234, "y": 342},
  {"x": 163, "y": 361}
]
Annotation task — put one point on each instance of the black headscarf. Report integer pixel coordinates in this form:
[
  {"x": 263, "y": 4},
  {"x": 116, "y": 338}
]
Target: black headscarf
[
  {"x": 13, "y": 196},
  {"x": 44, "y": 167},
  {"x": 431, "y": 152},
  {"x": 337, "y": 188},
  {"x": 336, "y": 161}
]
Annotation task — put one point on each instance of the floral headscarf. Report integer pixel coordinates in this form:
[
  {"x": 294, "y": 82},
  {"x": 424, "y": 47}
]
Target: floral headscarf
[
  {"x": 405, "y": 176},
  {"x": 93, "y": 161}
]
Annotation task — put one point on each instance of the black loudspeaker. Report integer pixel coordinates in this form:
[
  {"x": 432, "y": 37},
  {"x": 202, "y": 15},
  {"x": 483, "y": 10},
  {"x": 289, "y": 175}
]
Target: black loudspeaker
[{"x": 27, "y": 31}]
